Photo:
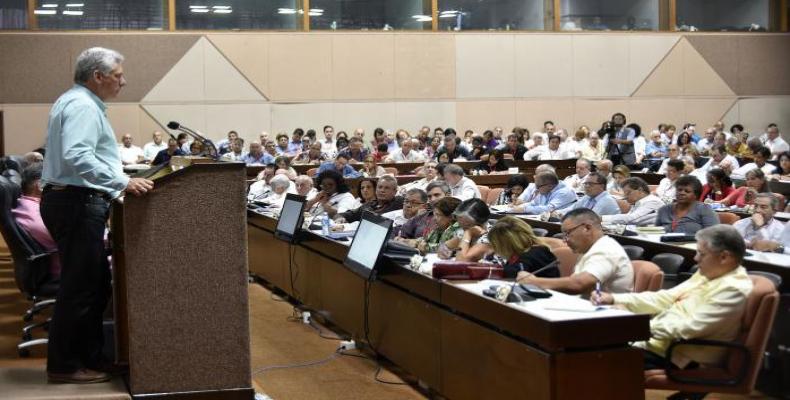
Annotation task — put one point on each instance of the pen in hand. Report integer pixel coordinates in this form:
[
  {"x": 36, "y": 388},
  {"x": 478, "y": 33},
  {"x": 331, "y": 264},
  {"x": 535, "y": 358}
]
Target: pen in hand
[{"x": 597, "y": 298}]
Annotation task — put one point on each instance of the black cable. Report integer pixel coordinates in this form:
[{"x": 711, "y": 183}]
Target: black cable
[
  {"x": 325, "y": 360},
  {"x": 376, "y": 377}
]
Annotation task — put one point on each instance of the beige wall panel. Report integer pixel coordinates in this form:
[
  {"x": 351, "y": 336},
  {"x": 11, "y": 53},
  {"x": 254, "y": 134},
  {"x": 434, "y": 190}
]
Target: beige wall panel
[
  {"x": 185, "y": 82},
  {"x": 35, "y": 68},
  {"x": 424, "y": 66},
  {"x": 25, "y": 127},
  {"x": 246, "y": 119},
  {"x": 592, "y": 112},
  {"x": 367, "y": 115},
  {"x": 300, "y": 67},
  {"x": 485, "y": 65},
  {"x": 648, "y": 113},
  {"x": 125, "y": 118},
  {"x": 287, "y": 117},
  {"x": 531, "y": 114},
  {"x": 721, "y": 53},
  {"x": 705, "y": 112},
  {"x": 666, "y": 79},
  {"x": 223, "y": 81},
  {"x": 363, "y": 66},
  {"x": 192, "y": 116},
  {"x": 592, "y": 75},
  {"x": 646, "y": 52},
  {"x": 763, "y": 64},
  {"x": 733, "y": 116},
  {"x": 481, "y": 115},
  {"x": 411, "y": 116},
  {"x": 148, "y": 125},
  {"x": 543, "y": 65},
  {"x": 757, "y": 113},
  {"x": 249, "y": 53},
  {"x": 699, "y": 79}
]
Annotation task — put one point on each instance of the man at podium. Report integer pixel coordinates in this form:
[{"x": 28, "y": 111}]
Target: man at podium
[{"x": 82, "y": 175}]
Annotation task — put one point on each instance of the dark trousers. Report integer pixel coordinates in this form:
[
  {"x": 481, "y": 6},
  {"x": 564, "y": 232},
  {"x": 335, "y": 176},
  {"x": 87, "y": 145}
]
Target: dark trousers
[
  {"x": 77, "y": 219},
  {"x": 655, "y": 361}
]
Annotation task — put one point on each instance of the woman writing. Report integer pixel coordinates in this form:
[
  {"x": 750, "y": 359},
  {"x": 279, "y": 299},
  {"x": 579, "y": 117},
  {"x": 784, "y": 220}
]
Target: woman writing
[
  {"x": 514, "y": 241},
  {"x": 687, "y": 214},
  {"x": 718, "y": 187},
  {"x": 756, "y": 182}
]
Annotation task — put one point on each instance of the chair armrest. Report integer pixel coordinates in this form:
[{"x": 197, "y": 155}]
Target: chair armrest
[{"x": 677, "y": 374}]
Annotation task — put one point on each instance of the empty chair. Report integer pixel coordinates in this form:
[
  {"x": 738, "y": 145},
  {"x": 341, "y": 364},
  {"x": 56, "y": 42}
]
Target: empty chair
[
  {"x": 670, "y": 264},
  {"x": 776, "y": 279},
  {"x": 728, "y": 218},
  {"x": 634, "y": 252},
  {"x": 540, "y": 232},
  {"x": 647, "y": 276},
  {"x": 738, "y": 373},
  {"x": 483, "y": 191},
  {"x": 567, "y": 259},
  {"x": 493, "y": 196}
]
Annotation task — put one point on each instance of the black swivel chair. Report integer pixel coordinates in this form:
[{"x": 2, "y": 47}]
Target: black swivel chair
[
  {"x": 634, "y": 252},
  {"x": 31, "y": 265},
  {"x": 671, "y": 264}
]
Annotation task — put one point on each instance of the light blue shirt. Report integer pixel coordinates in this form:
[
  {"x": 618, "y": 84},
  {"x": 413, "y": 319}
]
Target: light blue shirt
[
  {"x": 348, "y": 171},
  {"x": 653, "y": 147},
  {"x": 560, "y": 197},
  {"x": 264, "y": 159},
  {"x": 81, "y": 145},
  {"x": 603, "y": 204}
]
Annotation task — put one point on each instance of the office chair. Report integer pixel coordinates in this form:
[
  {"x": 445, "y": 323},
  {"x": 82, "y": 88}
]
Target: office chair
[
  {"x": 31, "y": 266},
  {"x": 670, "y": 263},
  {"x": 634, "y": 252},
  {"x": 647, "y": 276}
]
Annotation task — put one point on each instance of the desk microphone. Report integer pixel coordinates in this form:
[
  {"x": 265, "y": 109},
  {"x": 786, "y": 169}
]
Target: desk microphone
[{"x": 208, "y": 146}]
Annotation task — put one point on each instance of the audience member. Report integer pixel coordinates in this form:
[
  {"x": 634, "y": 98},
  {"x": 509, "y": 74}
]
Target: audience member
[
  {"x": 761, "y": 225},
  {"x": 760, "y": 156},
  {"x": 340, "y": 165},
  {"x": 619, "y": 174},
  {"x": 782, "y": 172},
  {"x": 256, "y": 155},
  {"x": 593, "y": 150},
  {"x": 756, "y": 182},
  {"x": 644, "y": 205},
  {"x": 514, "y": 147},
  {"x": 366, "y": 191},
  {"x": 223, "y": 146},
  {"x": 595, "y": 198},
  {"x": 304, "y": 187},
  {"x": 516, "y": 185},
  {"x": 513, "y": 239},
  {"x": 687, "y": 214},
  {"x": 333, "y": 197},
  {"x": 386, "y": 201},
  {"x": 414, "y": 220},
  {"x": 284, "y": 163},
  {"x": 328, "y": 147},
  {"x": 551, "y": 195},
  {"x": 370, "y": 169},
  {"x": 130, "y": 154},
  {"x": 236, "y": 151},
  {"x": 261, "y": 188},
  {"x": 471, "y": 244},
  {"x": 493, "y": 165},
  {"x": 576, "y": 181},
  {"x": 705, "y": 144},
  {"x": 28, "y": 216},
  {"x": 666, "y": 187},
  {"x": 354, "y": 152},
  {"x": 151, "y": 149},
  {"x": 718, "y": 187},
  {"x": 164, "y": 155},
  {"x": 444, "y": 228},
  {"x": 452, "y": 150},
  {"x": 282, "y": 145},
  {"x": 295, "y": 144},
  {"x": 32, "y": 157},
  {"x": 406, "y": 153},
  {"x": 774, "y": 141},
  {"x": 313, "y": 155},
  {"x": 602, "y": 259},
  {"x": 430, "y": 175},
  {"x": 460, "y": 186}
]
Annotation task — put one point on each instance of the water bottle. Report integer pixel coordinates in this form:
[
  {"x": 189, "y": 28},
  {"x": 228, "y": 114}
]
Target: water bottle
[{"x": 325, "y": 225}]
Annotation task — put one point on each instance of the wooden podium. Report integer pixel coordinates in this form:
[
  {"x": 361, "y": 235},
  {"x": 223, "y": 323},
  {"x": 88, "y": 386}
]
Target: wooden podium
[{"x": 180, "y": 284}]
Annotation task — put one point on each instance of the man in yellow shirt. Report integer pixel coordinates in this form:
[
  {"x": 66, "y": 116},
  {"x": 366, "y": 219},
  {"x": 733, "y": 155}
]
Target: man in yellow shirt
[{"x": 707, "y": 306}]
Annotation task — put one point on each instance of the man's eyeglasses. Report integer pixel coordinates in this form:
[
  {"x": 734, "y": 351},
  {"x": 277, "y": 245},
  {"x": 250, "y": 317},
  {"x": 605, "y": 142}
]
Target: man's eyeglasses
[{"x": 569, "y": 231}]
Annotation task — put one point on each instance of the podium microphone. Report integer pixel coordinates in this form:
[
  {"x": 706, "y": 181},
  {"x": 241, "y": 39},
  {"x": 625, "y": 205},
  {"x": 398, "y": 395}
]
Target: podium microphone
[{"x": 208, "y": 145}]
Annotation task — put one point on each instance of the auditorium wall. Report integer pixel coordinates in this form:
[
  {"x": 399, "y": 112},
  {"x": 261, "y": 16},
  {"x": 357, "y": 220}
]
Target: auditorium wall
[{"x": 254, "y": 82}]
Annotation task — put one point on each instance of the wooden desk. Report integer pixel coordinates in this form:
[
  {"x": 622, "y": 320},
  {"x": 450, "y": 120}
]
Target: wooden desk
[{"x": 463, "y": 345}]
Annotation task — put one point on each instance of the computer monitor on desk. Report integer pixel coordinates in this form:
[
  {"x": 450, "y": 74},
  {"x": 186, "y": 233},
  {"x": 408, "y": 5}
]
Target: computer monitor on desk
[
  {"x": 291, "y": 215},
  {"x": 371, "y": 236}
]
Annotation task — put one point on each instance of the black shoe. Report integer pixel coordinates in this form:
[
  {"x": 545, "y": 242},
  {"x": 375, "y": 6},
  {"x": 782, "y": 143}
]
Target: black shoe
[{"x": 80, "y": 376}]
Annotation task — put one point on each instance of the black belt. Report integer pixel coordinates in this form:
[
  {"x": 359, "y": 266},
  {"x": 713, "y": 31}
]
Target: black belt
[{"x": 78, "y": 189}]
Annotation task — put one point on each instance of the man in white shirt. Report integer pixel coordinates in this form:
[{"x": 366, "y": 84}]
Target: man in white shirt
[
  {"x": 762, "y": 225},
  {"x": 151, "y": 149},
  {"x": 761, "y": 157},
  {"x": 781, "y": 245},
  {"x": 130, "y": 154},
  {"x": 720, "y": 159},
  {"x": 551, "y": 152},
  {"x": 304, "y": 187},
  {"x": 644, "y": 206},
  {"x": 328, "y": 145},
  {"x": 461, "y": 187},
  {"x": 236, "y": 150},
  {"x": 603, "y": 260},
  {"x": 576, "y": 181},
  {"x": 774, "y": 142},
  {"x": 706, "y": 142},
  {"x": 405, "y": 153}
]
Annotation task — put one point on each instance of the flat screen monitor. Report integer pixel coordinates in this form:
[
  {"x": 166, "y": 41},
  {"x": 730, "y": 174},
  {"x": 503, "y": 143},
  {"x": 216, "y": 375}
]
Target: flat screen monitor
[
  {"x": 291, "y": 216},
  {"x": 371, "y": 236}
]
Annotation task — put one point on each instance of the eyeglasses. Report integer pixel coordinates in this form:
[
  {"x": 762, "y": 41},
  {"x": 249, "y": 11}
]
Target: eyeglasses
[{"x": 569, "y": 231}]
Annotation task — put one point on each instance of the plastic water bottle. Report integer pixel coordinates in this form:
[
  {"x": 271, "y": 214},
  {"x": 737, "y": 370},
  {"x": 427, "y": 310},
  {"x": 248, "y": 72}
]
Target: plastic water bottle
[{"x": 325, "y": 225}]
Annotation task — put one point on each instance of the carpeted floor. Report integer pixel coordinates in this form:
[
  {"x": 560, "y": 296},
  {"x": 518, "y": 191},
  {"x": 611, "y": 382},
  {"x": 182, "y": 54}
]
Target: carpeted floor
[{"x": 277, "y": 340}]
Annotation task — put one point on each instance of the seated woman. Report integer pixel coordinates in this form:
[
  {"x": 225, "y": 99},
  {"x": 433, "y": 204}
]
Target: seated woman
[
  {"x": 444, "y": 227},
  {"x": 756, "y": 182},
  {"x": 685, "y": 144},
  {"x": 782, "y": 172},
  {"x": 619, "y": 174},
  {"x": 366, "y": 191},
  {"x": 718, "y": 187},
  {"x": 333, "y": 196},
  {"x": 515, "y": 187},
  {"x": 687, "y": 214},
  {"x": 284, "y": 163},
  {"x": 513, "y": 240},
  {"x": 666, "y": 188},
  {"x": 370, "y": 169},
  {"x": 195, "y": 148},
  {"x": 494, "y": 165},
  {"x": 471, "y": 244},
  {"x": 279, "y": 185}
]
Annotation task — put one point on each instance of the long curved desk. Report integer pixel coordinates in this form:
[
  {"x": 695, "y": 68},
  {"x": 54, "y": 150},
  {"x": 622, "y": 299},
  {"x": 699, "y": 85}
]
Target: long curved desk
[{"x": 460, "y": 344}]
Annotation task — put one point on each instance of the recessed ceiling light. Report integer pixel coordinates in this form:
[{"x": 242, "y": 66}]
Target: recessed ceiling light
[
  {"x": 286, "y": 11},
  {"x": 223, "y": 11},
  {"x": 49, "y": 5},
  {"x": 73, "y": 12},
  {"x": 44, "y": 12},
  {"x": 221, "y": 7},
  {"x": 75, "y": 4},
  {"x": 200, "y": 10}
]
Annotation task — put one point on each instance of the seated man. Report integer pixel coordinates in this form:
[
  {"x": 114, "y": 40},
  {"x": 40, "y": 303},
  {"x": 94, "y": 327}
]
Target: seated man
[
  {"x": 151, "y": 149},
  {"x": 130, "y": 154},
  {"x": 341, "y": 166},
  {"x": 709, "y": 305},
  {"x": 304, "y": 187},
  {"x": 552, "y": 195},
  {"x": 576, "y": 181},
  {"x": 257, "y": 156},
  {"x": 762, "y": 225},
  {"x": 603, "y": 260},
  {"x": 235, "y": 150},
  {"x": 413, "y": 219},
  {"x": 28, "y": 216},
  {"x": 386, "y": 201},
  {"x": 644, "y": 205},
  {"x": 720, "y": 159},
  {"x": 531, "y": 192},
  {"x": 164, "y": 155},
  {"x": 761, "y": 157},
  {"x": 461, "y": 187},
  {"x": 261, "y": 187},
  {"x": 405, "y": 154},
  {"x": 595, "y": 197},
  {"x": 354, "y": 152}
]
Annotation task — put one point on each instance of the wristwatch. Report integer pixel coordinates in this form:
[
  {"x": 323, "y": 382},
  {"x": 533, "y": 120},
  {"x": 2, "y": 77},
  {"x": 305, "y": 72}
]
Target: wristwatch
[{"x": 780, "y": 249}]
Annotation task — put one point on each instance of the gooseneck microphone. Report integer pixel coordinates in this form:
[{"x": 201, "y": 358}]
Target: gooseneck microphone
[{"x": 208, "y": 146}]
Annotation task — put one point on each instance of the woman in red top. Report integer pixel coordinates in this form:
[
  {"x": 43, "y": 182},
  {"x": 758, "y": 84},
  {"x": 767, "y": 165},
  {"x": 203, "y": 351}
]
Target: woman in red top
[
  {"x": 756, "y": 182},
  {"x": 718, "y": 187}
]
